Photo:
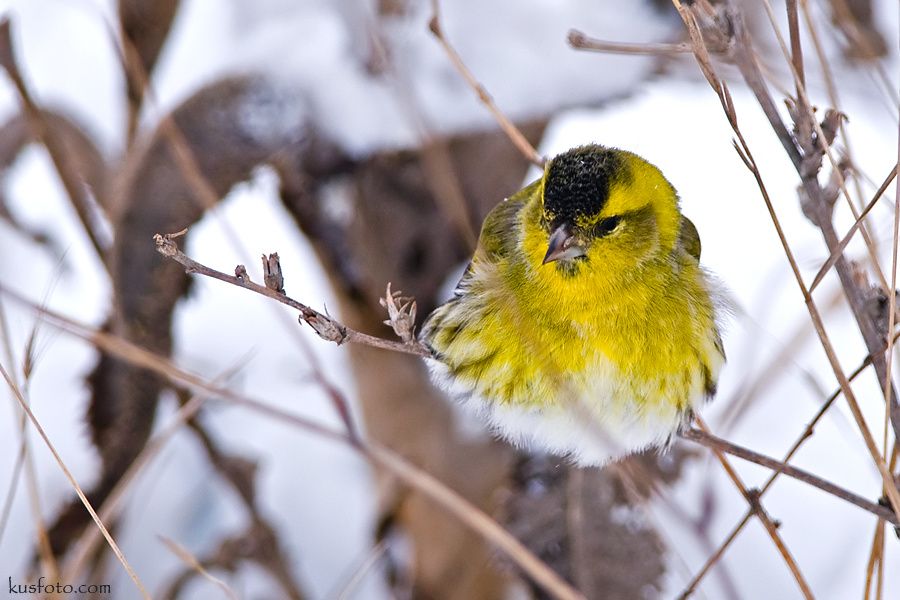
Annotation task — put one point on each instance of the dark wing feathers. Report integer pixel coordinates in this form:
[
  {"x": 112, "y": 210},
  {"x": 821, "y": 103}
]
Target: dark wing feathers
[{"x": 688, "y": 238}]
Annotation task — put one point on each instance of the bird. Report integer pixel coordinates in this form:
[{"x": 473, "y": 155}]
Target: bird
[{"x": 584, "y": 325}]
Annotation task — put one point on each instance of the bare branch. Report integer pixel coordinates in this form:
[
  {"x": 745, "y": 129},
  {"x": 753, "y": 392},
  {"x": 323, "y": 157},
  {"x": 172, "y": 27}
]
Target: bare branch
[
  {"x": 516, "y": 136},
  {"x": 581, "y": 41},
  {"x": 407, "y": 473},
  {"x": 752, "y": 498},
  {"x": 746, "y": 61},
  {"x": 707, "y": 439},
  {"x": 74, "y": 483},
  {"x": 88, "y": 212},
  {"x": 327, "y": 328},
  {"x": 801, "y": 439}
]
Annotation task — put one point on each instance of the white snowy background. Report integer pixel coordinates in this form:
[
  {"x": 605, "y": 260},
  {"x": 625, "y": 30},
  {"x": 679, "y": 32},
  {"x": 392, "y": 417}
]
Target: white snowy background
[{"x": 318, "y": 494}]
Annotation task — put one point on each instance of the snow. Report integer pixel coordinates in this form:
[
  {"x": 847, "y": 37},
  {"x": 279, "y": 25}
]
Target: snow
[
  {"x": 323, "y": 47},
  {"x": 318, "y": 494}
]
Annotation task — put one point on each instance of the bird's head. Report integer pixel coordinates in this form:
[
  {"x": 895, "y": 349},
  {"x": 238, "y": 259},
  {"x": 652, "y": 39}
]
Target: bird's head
[{"x": 606, "y": 206}]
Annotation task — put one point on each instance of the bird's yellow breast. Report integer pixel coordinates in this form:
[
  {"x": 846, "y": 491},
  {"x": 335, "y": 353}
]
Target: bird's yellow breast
[
  {"x": 615, "y": 332},
  {"x": 529, "y": 334}
]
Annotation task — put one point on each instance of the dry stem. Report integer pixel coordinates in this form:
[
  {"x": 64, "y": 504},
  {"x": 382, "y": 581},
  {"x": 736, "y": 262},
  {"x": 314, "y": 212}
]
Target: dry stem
[
  {"x": 87, "y": 211},
  {"x": 801, "y": 439},
  {"x": 752, "y": 498},
  {"x": 581, "y": 41},
  {"x": 508, "y": 126},
  {"x": 74, "y": 483},
  {"x": 747, "y": 65},
  {"x": 326, "y": 327},
  {"x": 410, "y": 475},
  {"x": 705, "y": 438}
]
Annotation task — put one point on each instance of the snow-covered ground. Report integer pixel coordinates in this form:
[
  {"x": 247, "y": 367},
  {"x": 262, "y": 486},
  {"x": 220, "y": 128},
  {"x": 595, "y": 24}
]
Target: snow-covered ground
[{"x": 317, "y": 493}]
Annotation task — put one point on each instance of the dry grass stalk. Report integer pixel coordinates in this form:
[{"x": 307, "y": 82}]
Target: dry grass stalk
[
  {"x": 191, "y": 561},
  {"x": 75, "y": 486},
  {"x": 752, "y": 498},
  {"x": 520, "y": 141},
  {"x": 746, "y": 62},
  {"x": 412, "y": 476}
]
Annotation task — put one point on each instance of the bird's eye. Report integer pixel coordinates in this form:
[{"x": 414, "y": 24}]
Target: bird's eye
[{"x": 605, "y": 226}]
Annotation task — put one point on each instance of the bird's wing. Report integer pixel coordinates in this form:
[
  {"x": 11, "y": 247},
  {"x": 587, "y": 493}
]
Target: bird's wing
[
  {"x": 688, "y": 238},
  {"x": 497, "y": 240}
]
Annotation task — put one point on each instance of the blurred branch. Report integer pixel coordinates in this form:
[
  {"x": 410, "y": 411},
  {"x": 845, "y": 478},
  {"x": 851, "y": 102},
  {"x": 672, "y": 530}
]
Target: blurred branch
[
  {"x": 114, "y": 503},
  {"x": 25, "y": 461},
  {"x": 259, "y": 543},
  {"x": 468, "y": 514},
  {"x": 326, "y": 327},
  {"x": 185, "y": 158},
  {"x": 144, "y": 28},
  {"x": 349, "y": 588},
  {"x": 74, "y": 483},
  {"x": 855, "y": 18},
  {"x": 442, "y": 180},
  {"x": 516, "y": 136},
  {"x": 581, "y": 41},
  {"x": 195, "y": 565},
  {"x": 88, "y": 212}
]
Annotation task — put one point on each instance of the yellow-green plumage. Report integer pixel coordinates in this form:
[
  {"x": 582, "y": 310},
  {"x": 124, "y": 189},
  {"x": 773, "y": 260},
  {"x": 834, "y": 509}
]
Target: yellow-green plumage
[{"x": 606, "y": 349}]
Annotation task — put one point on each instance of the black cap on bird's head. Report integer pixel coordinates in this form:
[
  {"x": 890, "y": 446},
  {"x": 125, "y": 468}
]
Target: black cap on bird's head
[
  {"x": 576, "y": 188},
  {"x": 576, "y": 184}
]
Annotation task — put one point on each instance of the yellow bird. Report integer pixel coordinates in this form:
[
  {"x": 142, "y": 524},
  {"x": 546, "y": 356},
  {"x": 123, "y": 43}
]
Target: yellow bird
[{"x": 584, "y": 324}]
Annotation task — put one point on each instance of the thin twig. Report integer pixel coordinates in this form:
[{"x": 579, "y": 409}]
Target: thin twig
[
  {"x": 704, "y": 438},
  {"x": 839, "y": 249},
  {"x": 875, "y": 555},
  {"x": 819, "y": 210},
  {"x": 752, "y": 498},
  {"x": 25, "y": 457},
  {"x": 191, "y": 561},
  {"x": 324, "y": 325},
  {"x": 751, "y": 74},
  {"x": 801, "y": 439},
  {"x": 716, "y": 556},
  {"x": 506, "y": 125},
  {"x": 421, "y": 481},
  {"x": 892, "y": 310},
  {"x": 349, "y": 589},
  {"x": 72, "y": 481},
  {"x": 86, "y": 210},
  {"x": 813, "y": 148},
  {"x": 834, "y": 99},
  {"x": 581, "y": 41}
]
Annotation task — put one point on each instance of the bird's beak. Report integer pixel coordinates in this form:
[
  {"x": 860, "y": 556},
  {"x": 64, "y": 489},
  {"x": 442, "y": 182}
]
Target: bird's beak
[{"x": 562, "y": 245}]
